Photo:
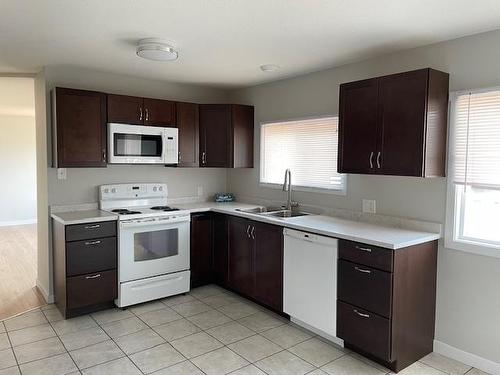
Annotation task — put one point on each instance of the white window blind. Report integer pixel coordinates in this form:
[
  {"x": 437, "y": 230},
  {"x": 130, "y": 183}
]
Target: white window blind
[
  {"x": 477, "y": 139},
  {"x": 307, "y": 147}
]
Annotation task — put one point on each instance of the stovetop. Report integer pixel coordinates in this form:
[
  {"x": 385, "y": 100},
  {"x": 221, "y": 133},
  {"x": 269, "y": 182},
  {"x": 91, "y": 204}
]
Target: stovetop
[{"x": 133, "y": 212}]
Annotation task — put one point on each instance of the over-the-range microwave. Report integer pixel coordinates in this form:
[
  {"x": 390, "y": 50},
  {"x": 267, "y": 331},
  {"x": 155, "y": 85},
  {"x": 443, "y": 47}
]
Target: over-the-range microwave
[{"x": 136, "y": 144}]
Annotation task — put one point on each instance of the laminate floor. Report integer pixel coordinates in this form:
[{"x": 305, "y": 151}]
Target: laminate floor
[
  {"x": 208, "y": 331},
  {"x": 18, "y": 260}
]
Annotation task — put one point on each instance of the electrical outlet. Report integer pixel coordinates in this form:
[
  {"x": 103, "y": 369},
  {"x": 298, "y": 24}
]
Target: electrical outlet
[
  {"x": 61, "y": 173},
  {"x": 369, "y": 206},
  {"x": 200, "y": 191}
]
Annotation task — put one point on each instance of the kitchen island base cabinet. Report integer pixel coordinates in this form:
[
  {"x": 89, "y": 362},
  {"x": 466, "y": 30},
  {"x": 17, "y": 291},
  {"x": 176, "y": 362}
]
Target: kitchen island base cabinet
[{"x": 394, "y": 324}]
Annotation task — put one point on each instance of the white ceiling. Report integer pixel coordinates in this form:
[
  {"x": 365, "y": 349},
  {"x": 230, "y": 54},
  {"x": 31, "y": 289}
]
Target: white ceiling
[{"x": 223, "y": 42}]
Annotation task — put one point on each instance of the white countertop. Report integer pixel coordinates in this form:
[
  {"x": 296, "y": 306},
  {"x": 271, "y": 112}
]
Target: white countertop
[
  {"x": 83, "y": 216},
  {"x": 372, "y": 234}
]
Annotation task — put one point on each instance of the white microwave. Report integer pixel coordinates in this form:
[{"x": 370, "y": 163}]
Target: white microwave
[{"x": 136, "y": 144}]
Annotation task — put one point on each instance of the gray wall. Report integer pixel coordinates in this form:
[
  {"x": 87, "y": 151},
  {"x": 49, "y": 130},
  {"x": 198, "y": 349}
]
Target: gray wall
[
  {"x": 81, "y": 183},
  {"x": 468, "y": 302}
]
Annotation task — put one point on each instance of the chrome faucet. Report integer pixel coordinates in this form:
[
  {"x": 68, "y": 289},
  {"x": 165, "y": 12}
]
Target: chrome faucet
[{"x": 287, "y": 186}]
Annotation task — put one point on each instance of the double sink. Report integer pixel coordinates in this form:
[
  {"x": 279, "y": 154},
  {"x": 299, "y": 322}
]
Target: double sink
[{"x": 272, "y": 211}]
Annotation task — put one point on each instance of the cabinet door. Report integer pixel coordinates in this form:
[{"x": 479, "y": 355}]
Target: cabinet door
[
  {"x": 80, "y": 128},
  {"x": 220, "y": 251},
  {"x": 240, "y": 270},
  {"x": 189, "y": 134},
  {"x": 201, "y": 250},
  {"x": 403, "y": 107},
  {"x": 268, "y": 264},
  {"x": 159, "y": 112},
  {"x": 242, "y": 136},
  {"x": 125, "y": 109},
  {"x": 215, "y": 123},
  {"x": 358, "y": 127}
]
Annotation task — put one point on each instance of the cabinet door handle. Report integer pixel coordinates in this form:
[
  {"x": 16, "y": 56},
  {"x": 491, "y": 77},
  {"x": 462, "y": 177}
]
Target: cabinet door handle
[
  {"x": 90, "y": 243},
  {"x": 93, "y": 277},
  {"x": 371, "y": 160},
  {"x": 95, "y": 226},
  {"x": 248, "y": 231},
  {"x": 252, "y": 233},
  {"x": 179, "y": 156},
  {"x": 147, "y": 114},
  {"x": 362, "y": 270},
  {"x": 203, "y": 158},
  {"x": 367, "y": 249},
  {"x": 104, "y": 155},
  {"x": 140, "y": 113},
  {"x": 378, "y": 160},
  {"x": 361, "y": 314}
]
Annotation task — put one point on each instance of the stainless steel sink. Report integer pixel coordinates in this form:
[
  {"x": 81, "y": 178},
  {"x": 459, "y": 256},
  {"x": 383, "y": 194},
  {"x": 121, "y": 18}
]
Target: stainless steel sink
[
  {"x": 285, "y": 213},
  {"x": 259, "y": 210}
]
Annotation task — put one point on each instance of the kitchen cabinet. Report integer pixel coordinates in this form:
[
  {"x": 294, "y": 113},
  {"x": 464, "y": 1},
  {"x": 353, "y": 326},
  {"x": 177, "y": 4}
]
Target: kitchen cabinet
[
  {"x": 189, "y": 134},
  {"x": 220, "y": 249},
  {"x": 394, "y": 125},
  {"x": 201, "y": 249},
  {"x": 85, "y": 267},
  {"x": 386, "y": 301},
  {"x": 255, "y": 261},
  {"x": 226, "y": 135},
  {"x": 140, "y": 111},
  {"x": 79, "y": 128}
]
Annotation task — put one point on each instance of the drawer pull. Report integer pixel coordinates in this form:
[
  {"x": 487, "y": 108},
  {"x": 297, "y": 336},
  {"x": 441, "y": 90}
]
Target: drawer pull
[
  {"x": 362, "y": 270},
  {"x": 93, "y": 277},
  {"x": 95, "y": 226},
  {"x": 367, "y": 249},
  {"x": 90, "y": 243},
  {"x": 361, "y": 314}
]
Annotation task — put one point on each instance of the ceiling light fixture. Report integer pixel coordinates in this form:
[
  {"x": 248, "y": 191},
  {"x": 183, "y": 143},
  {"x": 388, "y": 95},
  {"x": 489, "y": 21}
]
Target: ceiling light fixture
[
  {"x": 269, "y": 67},
  {"x": 156, "y": 49}
]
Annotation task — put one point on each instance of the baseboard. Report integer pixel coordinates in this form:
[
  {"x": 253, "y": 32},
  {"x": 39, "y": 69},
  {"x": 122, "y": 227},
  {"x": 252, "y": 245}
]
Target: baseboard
[
  {"x": 470, "y": 359},
  {"x": 17, "y": 222},
  {"x": 49, "y": 298}
]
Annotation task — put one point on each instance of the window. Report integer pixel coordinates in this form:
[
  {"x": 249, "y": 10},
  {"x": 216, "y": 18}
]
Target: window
[
  {"x": 474, "y": 173},
  {"x": 308, "y": 148}
]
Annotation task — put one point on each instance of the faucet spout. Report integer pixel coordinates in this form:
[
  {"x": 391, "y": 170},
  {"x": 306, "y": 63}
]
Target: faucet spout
[{"x": 287, "y": 186}]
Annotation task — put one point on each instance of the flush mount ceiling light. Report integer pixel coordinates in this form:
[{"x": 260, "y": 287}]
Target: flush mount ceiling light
[
  {"x": 156, "y": 49},
  {"x": 269, "y": 67}
]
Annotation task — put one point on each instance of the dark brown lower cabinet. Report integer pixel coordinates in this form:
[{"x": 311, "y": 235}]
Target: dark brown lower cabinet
[
  {"x": 85, "y": 267},
  {"x": 220, "y": 243},
  {"x": 387, "y": 301},
  {"x": 201, "y": 249},
  {"x": 255, "y": 261}
]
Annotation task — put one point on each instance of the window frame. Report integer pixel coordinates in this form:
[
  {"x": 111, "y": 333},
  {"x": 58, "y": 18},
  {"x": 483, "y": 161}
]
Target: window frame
[
  {"x": 454, "y": 208},
  {"x": 310, "y": 189}
]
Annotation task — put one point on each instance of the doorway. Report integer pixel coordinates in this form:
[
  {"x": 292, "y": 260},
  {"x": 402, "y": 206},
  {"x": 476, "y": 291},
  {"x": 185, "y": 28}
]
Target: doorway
[{"x": 18, "y": 194}]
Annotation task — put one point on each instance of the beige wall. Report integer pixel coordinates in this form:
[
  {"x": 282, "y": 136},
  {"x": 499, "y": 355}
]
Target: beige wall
[{"x": 468, "y": 302}]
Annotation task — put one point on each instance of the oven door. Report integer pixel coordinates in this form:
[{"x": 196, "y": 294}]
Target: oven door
[
  {"x": 134, "y": 144},
  {"x": 153, "y": 248}
]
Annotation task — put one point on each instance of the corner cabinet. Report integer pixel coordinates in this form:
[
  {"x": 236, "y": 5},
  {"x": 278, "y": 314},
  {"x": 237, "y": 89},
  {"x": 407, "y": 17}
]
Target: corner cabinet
[
  {"x": 394, "y": 125},
  {"x": 79, "y": 128},
  {"x": 226, "y": 135}
]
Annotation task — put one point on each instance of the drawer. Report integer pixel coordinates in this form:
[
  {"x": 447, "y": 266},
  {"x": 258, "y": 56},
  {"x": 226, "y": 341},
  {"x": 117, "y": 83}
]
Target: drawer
[
  {"x": 364, "y": 330},
  {"x": 372, "y": 256},
  {"x": 365, "y": 287},
  {"x": 91, "y": 289},
  {"x": 89, "y": 231},
  {"x": 90, "y": 256}
]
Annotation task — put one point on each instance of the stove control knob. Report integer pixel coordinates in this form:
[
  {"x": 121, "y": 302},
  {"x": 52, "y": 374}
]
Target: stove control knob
[
  {"x": 160, "y": 188},
  {"x": 113, "y": 190},
  {"x": 106, "y": 191},
  {"x": 154, "y": 188}
]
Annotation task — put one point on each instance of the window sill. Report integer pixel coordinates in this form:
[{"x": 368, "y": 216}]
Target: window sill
[
  {"x": 305, "y": 189},
  {"x": 473, "y": 247}
]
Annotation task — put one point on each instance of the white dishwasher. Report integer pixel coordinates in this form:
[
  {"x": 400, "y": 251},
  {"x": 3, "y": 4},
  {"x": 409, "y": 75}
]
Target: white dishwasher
[{"x": 310, "y": 282}]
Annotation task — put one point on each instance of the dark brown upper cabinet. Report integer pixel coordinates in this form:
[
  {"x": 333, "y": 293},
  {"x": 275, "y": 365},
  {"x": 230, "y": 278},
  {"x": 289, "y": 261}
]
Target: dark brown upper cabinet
[
  {"x": 140, "y": 111},
  {"x": 79, "y": 128},
  {"x": 394, "y": 125},
  {"x": 226, "y": 135},
  {"x": 189, "y": 134}
]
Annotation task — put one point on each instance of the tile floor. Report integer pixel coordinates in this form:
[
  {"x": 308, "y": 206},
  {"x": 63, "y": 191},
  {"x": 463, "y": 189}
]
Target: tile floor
[{"x": 208, "y": 331}]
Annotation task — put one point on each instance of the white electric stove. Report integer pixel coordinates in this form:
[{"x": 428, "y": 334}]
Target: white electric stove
[{"x": 153, "y": 242}]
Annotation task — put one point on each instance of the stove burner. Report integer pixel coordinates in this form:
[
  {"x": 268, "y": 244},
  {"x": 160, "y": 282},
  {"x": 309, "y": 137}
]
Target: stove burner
[
  {"x": 164, "y": 208},
  {"x": 125, "y": 211}
]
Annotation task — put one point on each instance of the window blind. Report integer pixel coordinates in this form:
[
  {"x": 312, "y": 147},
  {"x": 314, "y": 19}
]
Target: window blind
[
  {"x": 307, "y": 147},
  {"x": 476, "y": 141}
]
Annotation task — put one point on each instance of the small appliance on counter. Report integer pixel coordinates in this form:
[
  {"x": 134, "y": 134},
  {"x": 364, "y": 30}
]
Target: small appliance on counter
[{"x": 224, "y": 197}]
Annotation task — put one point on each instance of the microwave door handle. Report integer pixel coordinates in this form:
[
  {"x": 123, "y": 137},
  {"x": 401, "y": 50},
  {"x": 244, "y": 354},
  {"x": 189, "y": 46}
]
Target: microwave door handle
[{"x": 164, "y": 147}]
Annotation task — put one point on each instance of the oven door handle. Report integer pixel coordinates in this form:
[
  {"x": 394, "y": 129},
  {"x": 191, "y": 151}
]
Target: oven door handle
[{"x": 153, "y": 223}]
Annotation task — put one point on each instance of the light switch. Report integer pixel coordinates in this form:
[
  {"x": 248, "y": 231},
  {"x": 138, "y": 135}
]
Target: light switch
[
  {"x": 369, "y": 206},
  {"x": 61, "y": 173}
]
